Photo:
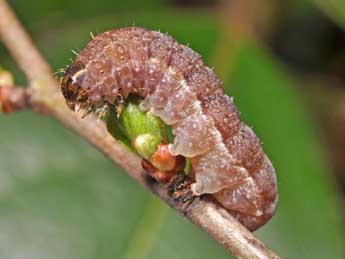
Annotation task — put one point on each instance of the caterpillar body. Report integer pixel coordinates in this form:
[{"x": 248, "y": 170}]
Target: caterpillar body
[{"x": 172, "y": 81}]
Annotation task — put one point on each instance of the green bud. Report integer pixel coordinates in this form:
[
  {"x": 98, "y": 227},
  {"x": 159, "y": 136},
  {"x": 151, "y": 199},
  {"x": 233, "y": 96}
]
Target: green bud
[
  {"x": 146, "y": 144},
  {"x": 139, "y": 131},
  {"x": 6, "y": 78}
]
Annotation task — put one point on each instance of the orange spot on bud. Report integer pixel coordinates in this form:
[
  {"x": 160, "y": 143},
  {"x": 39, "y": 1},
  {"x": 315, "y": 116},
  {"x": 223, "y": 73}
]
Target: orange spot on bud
[
  {"x": 5, "y": 104},
  {"x": 163, "y": 166},
  {"x": 162, "y": 159}
]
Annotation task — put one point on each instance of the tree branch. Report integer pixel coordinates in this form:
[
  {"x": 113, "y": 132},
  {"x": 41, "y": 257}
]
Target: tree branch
[{"x": 44, "y": 96}]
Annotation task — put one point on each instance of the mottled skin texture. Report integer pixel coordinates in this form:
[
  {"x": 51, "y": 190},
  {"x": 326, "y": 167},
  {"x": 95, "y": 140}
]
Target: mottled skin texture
[{"x": 226, "y": 156}]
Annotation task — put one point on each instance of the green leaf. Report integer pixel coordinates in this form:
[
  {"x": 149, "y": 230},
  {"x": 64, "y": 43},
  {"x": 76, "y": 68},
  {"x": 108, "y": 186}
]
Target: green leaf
[{"x": 334, "y": 9}]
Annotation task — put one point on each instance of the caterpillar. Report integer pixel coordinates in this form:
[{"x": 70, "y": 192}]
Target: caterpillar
[{"x": 172, "y": 81}]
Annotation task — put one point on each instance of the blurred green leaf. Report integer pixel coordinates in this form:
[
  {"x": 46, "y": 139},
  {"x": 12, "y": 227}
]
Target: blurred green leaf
[
  {"x": 334, "y": 8},
  {"x": 38, "y": 11}
]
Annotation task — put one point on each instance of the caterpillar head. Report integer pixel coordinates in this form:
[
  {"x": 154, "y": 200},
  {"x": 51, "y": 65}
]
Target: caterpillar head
[
  {"x": 82, "y": 92},
  {"x": 72, "y": 89}
]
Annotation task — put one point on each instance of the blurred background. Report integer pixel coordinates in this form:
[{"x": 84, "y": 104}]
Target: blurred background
[{"x": 284, "y": 64}]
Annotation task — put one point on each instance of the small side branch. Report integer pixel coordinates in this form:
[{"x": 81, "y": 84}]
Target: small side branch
[{"x": 43, "y": 96}]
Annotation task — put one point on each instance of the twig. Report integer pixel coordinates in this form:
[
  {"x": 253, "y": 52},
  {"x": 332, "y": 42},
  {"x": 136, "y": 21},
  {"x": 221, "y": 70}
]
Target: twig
[{"x": 44, "y": 96}]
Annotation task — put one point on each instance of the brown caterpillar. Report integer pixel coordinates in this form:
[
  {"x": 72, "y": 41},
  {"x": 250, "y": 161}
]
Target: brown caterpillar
[{"x": 171, "y": 79}]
